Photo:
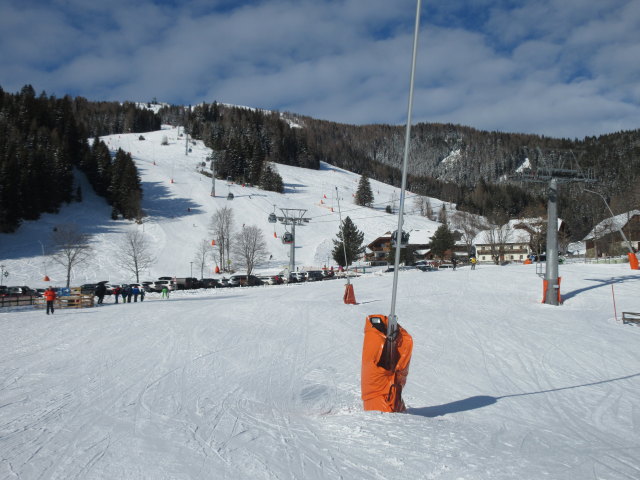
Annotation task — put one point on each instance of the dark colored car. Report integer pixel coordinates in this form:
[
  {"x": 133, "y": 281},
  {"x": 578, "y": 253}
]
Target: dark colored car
[
  {"x": 22, "y": 291},
  {"x": 88, "y": 288},
  {"x": 244, "y": 281},
  {"x": 3, "y": 290},
  {"x": 209, "y": 283}
]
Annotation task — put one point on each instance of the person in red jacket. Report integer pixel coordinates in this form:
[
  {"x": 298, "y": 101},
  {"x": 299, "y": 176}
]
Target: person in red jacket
[{"x": 49, "y": 296}]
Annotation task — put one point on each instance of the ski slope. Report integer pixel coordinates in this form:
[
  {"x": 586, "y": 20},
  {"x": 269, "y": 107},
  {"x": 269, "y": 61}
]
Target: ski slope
[
  {"x": 178, "y": 206},
  {"x": 263, "y": 382}
]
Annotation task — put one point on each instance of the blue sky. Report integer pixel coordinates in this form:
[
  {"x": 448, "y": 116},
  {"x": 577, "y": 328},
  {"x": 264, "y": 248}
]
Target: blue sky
[{"x": 562, "y": 68}]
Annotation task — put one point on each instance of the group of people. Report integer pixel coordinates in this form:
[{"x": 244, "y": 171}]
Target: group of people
[{"x": 127, "y": 292}]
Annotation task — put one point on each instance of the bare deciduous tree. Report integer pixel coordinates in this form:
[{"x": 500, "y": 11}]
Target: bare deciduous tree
[
  {"x": 134, "y": 253},
  {"x": 469, "y": 225},
  {"x": 250, "y": 247},
  {"x": 202, "y": 255},
  {"x": 71, "y": 247},
  {"x": 222, "y": 228}
]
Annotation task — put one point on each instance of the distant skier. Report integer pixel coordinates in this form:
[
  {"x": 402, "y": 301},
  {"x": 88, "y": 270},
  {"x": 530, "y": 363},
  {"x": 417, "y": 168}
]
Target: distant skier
[
  {"x": 454, "y": 262},
  {"x": 165, "y": 292},
  {"x": 473, "y": 263},
  {"x": 50, "y": 296}
]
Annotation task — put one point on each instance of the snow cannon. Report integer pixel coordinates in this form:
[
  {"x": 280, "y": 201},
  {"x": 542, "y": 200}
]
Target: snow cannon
[
  {"x": 385, "y": 365},
  {"x": 349, "y": 295},
  {"x": 633, "y": 261}
]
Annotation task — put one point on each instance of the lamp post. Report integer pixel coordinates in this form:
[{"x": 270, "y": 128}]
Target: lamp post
[{"x": 191, "y": 269}]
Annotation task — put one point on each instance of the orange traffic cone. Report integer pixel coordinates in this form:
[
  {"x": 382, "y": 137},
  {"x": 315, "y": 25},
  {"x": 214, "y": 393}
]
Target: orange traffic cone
[
  {"x": 46, "y": 278},
  {"x": 633, "y": 261},
  {"x": 349, "y": 295},
  {"x": 217, "y": 270}
]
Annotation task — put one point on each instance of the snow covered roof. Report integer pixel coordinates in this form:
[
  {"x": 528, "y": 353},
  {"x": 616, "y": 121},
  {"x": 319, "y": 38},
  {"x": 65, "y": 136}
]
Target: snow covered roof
[{"x": 611, "y": 224}]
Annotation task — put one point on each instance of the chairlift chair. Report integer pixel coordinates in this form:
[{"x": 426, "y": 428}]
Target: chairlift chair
[
  {"x": 230, "y": 196},
  {"x": 287, "y": 238},
  {"x": 272, "y": 218},
  {"x": 404, "y": 239}
]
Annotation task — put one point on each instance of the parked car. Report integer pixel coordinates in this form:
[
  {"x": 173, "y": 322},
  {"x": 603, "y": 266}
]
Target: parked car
[
  {"x": 187, "y": 283},
  {"x": 148, "y": 286},
  {"x": 223, "y": 282},
  {"x": 271, "y": 279},
  {"x": 209, "y": 283},
  {"x": 3, "y": 290},
  {"x": 299, "y": 276},
  {"x": 22, "y": 291},
  {"x": 88, "y": 288},
  {"x": 314, "y": 275},
  {"x": 244, "y": 281},
  {"x": 160, "y": 284}
]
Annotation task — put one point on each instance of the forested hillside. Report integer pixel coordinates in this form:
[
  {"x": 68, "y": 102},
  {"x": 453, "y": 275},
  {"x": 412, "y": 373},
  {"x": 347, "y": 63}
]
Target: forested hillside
[{"x": 42, "y": 138}]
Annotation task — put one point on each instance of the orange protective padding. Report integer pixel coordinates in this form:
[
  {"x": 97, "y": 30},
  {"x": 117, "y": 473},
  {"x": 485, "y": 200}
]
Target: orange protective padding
[
  {"x": 349, "y": 294},
  {"x": 528, "y": 261},
  {"x": 382, "y": 389},
  {"x": 545, "y": 283},
  {"x": 633, "y": 261}
]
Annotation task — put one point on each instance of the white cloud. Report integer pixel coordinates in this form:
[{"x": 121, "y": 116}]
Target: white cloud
[{"x": 557, "y": 67}]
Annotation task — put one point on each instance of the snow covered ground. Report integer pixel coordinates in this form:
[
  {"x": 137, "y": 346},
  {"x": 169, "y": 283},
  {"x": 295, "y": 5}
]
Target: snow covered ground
[
  {"x": 179, "y": 215},
  {"x": 264, "y": 382}
]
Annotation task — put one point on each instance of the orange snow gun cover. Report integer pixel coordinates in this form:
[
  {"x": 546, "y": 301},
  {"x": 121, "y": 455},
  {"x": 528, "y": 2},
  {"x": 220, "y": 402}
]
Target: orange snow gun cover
[{"x": 382, "y": 388}]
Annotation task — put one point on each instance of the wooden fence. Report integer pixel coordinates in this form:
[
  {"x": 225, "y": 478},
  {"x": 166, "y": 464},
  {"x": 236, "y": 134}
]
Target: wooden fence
[{"x": 71, "y": 301}]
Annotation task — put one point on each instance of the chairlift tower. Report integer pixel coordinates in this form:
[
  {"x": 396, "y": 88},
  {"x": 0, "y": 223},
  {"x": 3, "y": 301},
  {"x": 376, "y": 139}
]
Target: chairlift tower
[
  {"x": 561, "y": 167},
  {"x": 293, "y": 217}
]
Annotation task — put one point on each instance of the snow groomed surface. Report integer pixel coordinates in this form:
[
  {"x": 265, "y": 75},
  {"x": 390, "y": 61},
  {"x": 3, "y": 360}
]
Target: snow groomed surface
[{"x": 264, "y": 383}]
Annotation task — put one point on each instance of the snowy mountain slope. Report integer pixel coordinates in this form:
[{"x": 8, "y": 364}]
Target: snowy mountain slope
[
  {"x": 263, "y": 383},
  {"x": 178, "y": 203}
]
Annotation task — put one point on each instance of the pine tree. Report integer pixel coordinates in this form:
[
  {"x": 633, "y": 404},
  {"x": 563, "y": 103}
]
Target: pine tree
[
  {"x": 352, "y": 242},
  {"x": 442, "y": 241},
  {"x": 364, "y": 195}
]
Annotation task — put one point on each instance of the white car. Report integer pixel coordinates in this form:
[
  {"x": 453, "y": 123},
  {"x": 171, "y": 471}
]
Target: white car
[{"x": 159, "y": 284}]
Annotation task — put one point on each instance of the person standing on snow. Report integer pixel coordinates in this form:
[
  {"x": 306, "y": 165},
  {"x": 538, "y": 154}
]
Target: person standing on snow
[
  {"x": 454, "y": 262},
  {"x": 142, "y": 294},
  {"x": 165, "y": 292},
  {"x": 50, "y": 296},
  {"x": 473, "y": 263},
  {"x": 116, "y": 293},
  {"x": 100, "y": 292},
  {"x": 135, "y": 291}
]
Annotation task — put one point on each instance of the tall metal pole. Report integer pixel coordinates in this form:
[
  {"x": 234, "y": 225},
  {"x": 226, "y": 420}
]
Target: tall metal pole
[
  {"x": 624, "y": 237},
  {"x": 392, "y": 323},
  {"x": 292, "y": 251},
  {"x": 344, "y": 244},
  {"x": 213, "y": 175},
  {"x": 551, "y": 274}
]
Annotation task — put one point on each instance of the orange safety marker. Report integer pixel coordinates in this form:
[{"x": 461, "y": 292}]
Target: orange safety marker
[
  {"x": 349, "y": 295},
  {"x": 381, "y": 388}
]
